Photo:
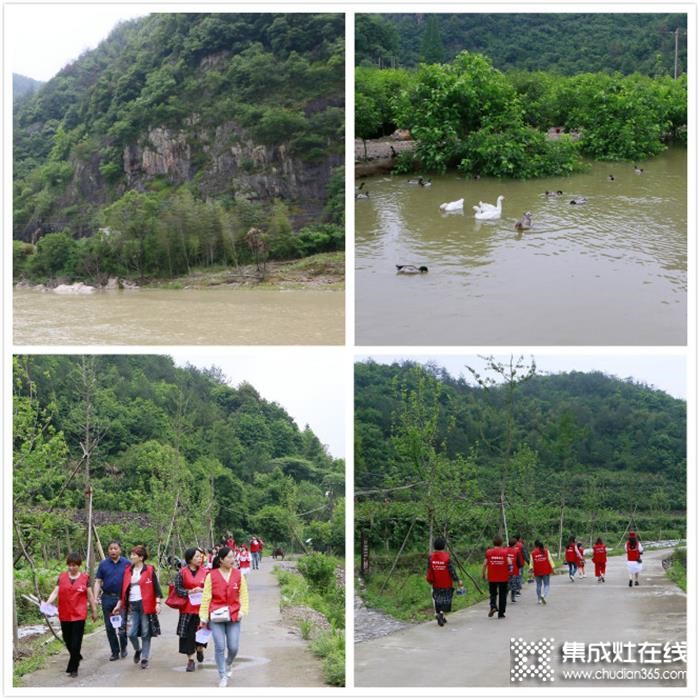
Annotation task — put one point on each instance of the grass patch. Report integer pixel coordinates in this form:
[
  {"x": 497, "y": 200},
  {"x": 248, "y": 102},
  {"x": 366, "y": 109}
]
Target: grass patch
[
  {"x": 330, "y": 646},
  {"x": 319, "y": 264},
  {"x": 678, "y": 571}
]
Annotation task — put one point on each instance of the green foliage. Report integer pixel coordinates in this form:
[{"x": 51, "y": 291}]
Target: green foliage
[
  {"x": 318, "y": 570},
  {"x": 330, "y": 646},
  {"x": 376, "y": 40},
  {"x": 678, "y": 571},
  {"x": 431, "y": 49}
]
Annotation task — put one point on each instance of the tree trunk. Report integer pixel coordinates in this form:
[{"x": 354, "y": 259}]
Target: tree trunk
[{"x": 561, "y": 528}]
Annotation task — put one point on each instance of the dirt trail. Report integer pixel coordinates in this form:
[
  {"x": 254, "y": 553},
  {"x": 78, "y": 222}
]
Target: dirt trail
[
  {"x": 474, "y": 650},
  {"x": 270, "y": 654}
]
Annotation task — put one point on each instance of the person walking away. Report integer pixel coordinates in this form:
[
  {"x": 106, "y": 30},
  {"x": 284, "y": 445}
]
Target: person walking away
[
  {"x": 189, "y": 584},
  {"x": 74, "y": 593},
  {"x": 224, "y": 605},
  {"x": 230, "y": 542},
  {"x": 255, "y": 551},
  {"x": 244, "y": 560},
  {"x": 108, "y": 585},
  {"x": 514, "y": 578},
  {"x": 542, "y": 568},
  {"x": 441, "y": 575},
  {"x": 600, "y": 559},
  {"x": 581, "y": 563},
  {"x": 496, "y": 569},
  {"x": 526, "y": 561},
  {"x": 140, "y": 601},
  {"x": 571, "y": 557},
  {"x": 634, "y": 550}
]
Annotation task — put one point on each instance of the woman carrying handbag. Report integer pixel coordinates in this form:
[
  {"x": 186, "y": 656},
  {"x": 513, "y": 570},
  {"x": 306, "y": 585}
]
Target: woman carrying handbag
[{"x": 224, "y": 604}]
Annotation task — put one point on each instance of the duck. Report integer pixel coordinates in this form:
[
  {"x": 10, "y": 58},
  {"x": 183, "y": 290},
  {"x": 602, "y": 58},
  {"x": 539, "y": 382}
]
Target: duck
[
  {"x": 611, "y": 178},
  {"x": 425, "y": 183},
  {"x": 579, "y": 200},
  {"x": 452, "y": 206},
  {"x": 558, "y": 193},
  {"x": 638, "y": 170},
  {"x": 361, "y": 186},
  {"x": 410, "y": 269},
  {"x": 416, "y": 181},
  {"x": 484, "y": 210},
  {"x": 362, "y": 194},
  {"x": 525, "y": 222}
]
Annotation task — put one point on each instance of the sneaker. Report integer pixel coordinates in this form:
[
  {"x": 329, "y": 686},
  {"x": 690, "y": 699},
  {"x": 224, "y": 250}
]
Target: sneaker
[
  {"x": 440, "y": 619},
  {"x": 144, "y": 663},
  {"x": 124, "y": 652},
  {"x": 137, "y": 653},
  {"x": 200, "y": 655},
  {"x": 602, "y": 579},
  {"x": 223, "y": 682},
  {"x": 190, "y": 666},
  {"x": 544, "y": 601},
  {"x": 539, "y": 601},
  {"x": 73, "y": 674},
  {"x": 636, "y": 583},
  {"x": 114, "y": 657},
  {"x": 630, "y": 583},
  {"x": 571, "y": 578},
  {"x": 500, "y": 617},
  {"x": 229, "y": 670},
  {"x": 492, "y": 611}
]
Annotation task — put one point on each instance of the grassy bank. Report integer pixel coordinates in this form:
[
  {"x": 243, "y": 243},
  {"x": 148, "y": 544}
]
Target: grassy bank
[
  {"x": 678, "y": 571},
  {"x": 318, "y": 590}
]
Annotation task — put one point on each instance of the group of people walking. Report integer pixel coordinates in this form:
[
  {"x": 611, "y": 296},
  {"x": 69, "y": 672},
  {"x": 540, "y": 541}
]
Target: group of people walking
[
  {"x": 503, "y": 568},
  {"x": 209, "y": 591}
]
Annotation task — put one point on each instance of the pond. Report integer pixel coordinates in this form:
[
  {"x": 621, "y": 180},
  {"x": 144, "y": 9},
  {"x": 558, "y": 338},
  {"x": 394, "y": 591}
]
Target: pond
[
  {"x": 612, "y": 271},
  {"x": 180, "y": 317}
]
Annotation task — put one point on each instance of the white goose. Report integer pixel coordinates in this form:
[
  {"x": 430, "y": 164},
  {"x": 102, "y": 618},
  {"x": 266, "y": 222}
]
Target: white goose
[
  {"x": 452, "y": 206},
  {"x": 484, "y": 210}
]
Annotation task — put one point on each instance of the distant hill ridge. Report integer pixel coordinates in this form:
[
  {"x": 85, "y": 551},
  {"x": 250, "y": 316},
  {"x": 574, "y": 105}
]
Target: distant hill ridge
[{"x": 23, "y": 85}]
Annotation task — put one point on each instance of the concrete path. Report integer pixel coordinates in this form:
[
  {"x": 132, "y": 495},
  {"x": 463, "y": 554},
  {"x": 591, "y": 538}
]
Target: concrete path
[
  {"x": 473, "y": 650},
  {"x": 270, "y": 654}
]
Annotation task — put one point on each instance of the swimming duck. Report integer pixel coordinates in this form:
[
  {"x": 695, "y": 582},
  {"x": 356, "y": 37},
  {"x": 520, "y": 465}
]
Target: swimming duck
[
  {"x": 558, "y": 193},
  {"x": 452, "y": 206},
  {"x": 425, "y": 183},
  {"x": 484, "y": 210},
  {"x": 420, "y": 181},
  {"x": 410, "y": 269},
  {"x": 525, "y": 222},
  {"x": 611, "y": 178},
  {"x": 638, "y": 170},
  {"x": 362, "y": 195},
  {"x": 579, "y": 200}
]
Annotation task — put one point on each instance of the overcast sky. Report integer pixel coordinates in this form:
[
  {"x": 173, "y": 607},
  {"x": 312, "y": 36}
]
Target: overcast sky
[
  {"x": 309, "y": 383},
  {"x": 666, "y": 372},
  {"x": 42, "y": 38}
]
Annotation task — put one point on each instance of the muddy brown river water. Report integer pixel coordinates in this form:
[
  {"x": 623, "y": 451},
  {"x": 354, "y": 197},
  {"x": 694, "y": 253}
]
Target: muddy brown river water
[
  {"x": 612, "y": 271},
  {"x": 180, "y": 317}
]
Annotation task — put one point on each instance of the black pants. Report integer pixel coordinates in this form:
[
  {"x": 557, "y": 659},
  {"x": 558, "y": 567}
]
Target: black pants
[
  {"x": 500, "y": 589},
  {"x": 73, "y": 639},
  {"x": 115, "y": 644}
]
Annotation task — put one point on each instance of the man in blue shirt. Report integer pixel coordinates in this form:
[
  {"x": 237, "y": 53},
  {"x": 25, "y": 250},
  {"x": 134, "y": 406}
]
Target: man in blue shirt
[{"x": 108, "y": 579}]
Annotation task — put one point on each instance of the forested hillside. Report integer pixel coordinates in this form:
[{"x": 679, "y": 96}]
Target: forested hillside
[
  {"x": 172, "y": 457},
  {"x": 23, "y": 86},
  {"x": 179, "y": 133},
  {"x": 582, "y": 451},
  {"x": 561, "y": 43}
]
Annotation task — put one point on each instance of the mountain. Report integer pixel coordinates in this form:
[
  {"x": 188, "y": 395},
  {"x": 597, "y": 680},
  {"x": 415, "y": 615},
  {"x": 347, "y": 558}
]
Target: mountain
[
  {"x": 237, "y": 109},
  {"x": 562, "y": 43},
  {"x": 23, "y": 86}
]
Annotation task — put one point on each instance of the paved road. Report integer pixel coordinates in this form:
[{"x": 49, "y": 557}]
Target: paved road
[
  {"x": 270, "y": 654},
  {"x": 473, "y": 650}
]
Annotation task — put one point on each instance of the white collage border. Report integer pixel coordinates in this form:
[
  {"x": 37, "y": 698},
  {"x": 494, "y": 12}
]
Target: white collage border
[{"x": 346, "y": 354}]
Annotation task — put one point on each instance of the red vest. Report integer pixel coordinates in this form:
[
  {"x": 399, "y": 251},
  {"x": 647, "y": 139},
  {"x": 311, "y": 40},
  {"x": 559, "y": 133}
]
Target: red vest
[
  {"x": 600, "y": 554},
  {"x": 255, "y": 546},
  {"x": 148, "y": 593},
  {"x": 571, "y": 554},
  {"x": 515, "y": 555},
  {"x": 192, "y": 580},
  {"x": 72, "y": 597},
  {"x": 540, "y": 562},
  {"x": 244, "y": 560},
  {"x": 223, "y": 593},
  {"x": 632, "y": 554},
  {"x": 438, "y": 573},
  {"x": 497, "y": 560}
]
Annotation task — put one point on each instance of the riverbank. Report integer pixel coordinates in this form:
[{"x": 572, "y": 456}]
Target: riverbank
[{"x": 321, "y": 271}]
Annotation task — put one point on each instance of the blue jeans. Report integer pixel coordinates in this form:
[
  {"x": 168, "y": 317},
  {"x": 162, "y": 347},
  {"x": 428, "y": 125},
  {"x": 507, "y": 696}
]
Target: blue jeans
[
  {"x": 225, "y": 634},
  {"x": 572, "y": 568},
  {"x": 256, "y": 559},
  {"x": 140, "y": 627},
  {"x": 115, "y": 644},
  {"x": 542, "y": 582}
]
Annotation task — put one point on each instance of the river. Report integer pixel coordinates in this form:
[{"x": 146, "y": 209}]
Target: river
[
  {"x": 220, "y": 316},
  {"x": 612, "y": 271}
]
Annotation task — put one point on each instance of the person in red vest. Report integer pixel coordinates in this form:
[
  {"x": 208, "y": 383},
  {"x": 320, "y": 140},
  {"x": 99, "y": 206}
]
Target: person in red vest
[
  {"x": 189, "y": 584},
  {"x": 514, "y": 579},
  {"x": 441, "y": 576},
  {"x": 634, "y": 550},
  {"x": 497, "y": 567},
  {"x": 140, "y": 601},
  {"x": 542, "y": 568},
  {"x": 571, "y": 557},
  {"x": 600, "y": 558},
  {"x": 255, "y": 547},
  {"x": 224, "y": 605},
  {"x": 244, "y": 560},
  {"x": 581, "y": 563},
  {"x": 230, "y": 541},
  {"x": 74, "y": 593}
]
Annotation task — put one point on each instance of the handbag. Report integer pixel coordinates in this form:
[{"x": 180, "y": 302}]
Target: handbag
[
  {"x": 220, "y": 615},
  {"x": 174, "y": 600}
]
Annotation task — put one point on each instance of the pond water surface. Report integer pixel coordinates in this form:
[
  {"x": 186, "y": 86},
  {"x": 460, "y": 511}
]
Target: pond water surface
[
  {"x": 180, "y": 317},
  {"x": 609, "y": 272}
]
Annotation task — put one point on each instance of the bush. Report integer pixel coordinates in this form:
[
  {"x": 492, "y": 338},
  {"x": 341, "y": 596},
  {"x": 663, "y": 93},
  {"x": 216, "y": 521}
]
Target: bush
[
  {"x": 55, "y": 255},
  {"x": 318, "y": 570},
  {"x": 21, "y": 257},
  {"x": 330, "y": 646}
]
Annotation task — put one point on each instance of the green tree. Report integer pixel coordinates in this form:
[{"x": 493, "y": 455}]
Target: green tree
[{"x": 431, "y": 50}]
